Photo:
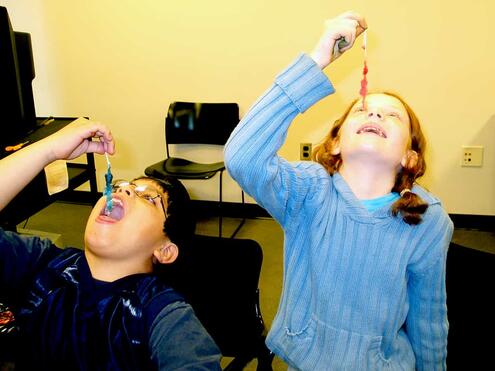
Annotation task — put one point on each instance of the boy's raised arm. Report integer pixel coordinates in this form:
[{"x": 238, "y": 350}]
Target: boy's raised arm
[{"x": 19, "y": 168}]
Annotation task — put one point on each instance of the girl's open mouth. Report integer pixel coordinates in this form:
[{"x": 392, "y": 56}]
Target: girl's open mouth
[{"x": 373, "y": 129}]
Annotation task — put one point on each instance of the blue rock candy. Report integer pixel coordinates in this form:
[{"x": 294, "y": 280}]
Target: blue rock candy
[{"x": 108, "y": 190}]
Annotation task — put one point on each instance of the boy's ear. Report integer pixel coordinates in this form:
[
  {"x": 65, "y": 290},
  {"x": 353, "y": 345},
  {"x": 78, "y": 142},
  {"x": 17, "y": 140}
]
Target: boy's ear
[
  {"x": 410, "y": 159},
  {"x": 166, "y": 254}
]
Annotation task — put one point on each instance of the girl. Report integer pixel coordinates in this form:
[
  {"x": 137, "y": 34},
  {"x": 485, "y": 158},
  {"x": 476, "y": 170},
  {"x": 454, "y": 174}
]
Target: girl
[{"x": 365, "y": 247}]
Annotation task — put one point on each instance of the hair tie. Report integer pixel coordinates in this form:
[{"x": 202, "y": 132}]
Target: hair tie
[{"x": 404, "y": 191}]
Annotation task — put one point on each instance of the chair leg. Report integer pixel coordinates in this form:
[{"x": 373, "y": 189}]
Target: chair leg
[
  {"x": 265, "y": 362},
  {"x": 264, "y": 356},
  {"x": 243, "y": 219},
  {"x": 220, "y": 210},
  {"x": 220, "y": 207}
]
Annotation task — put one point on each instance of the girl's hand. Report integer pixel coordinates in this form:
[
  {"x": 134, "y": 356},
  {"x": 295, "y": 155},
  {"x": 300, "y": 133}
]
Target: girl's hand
[
  {"x": 76, "y": 139},
  {"x": 344, "y": 28}
]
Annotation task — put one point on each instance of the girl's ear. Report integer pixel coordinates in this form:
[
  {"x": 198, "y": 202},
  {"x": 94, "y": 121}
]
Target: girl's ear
[
  {"x": 166, "y": 254},
  {"x": 335, "y": 147},
  {"x": 410, "y": 159}
]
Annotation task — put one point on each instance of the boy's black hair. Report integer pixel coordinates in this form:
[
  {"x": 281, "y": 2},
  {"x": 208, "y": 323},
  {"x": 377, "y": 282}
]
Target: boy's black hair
[
  {"x": 180, "y": 223},
  {"x": 179, "y": 226}
]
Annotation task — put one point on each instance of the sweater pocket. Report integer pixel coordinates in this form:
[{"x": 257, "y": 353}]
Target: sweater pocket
[{"x": 318, "y": 346}]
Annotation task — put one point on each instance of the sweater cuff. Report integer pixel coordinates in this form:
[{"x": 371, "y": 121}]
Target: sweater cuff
[{"x": 304, "y": 82}]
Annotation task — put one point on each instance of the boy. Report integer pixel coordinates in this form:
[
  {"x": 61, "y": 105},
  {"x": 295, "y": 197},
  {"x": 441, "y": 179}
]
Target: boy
[{"x": 101, "y": 308}]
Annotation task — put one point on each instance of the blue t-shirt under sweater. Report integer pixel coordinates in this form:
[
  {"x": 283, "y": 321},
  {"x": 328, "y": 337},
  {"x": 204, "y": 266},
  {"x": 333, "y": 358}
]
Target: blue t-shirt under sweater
[
  {"x": 379, "y": 202},
  {"x": 362, "y": 290}
]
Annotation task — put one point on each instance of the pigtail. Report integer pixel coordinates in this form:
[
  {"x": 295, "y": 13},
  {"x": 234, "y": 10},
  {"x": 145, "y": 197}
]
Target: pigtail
[{"x": 409, "y": 206}]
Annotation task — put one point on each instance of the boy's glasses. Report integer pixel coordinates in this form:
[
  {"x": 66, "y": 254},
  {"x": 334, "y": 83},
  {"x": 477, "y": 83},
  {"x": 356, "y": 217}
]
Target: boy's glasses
[{"x": 145, "y": 191}]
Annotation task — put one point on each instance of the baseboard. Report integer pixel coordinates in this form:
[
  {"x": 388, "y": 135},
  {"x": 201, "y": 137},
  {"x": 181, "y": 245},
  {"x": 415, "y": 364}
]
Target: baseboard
[
  {"x": 469, "y": 221},
  {"x": 248, "y": 210},
  {"x": 229, "y": 209}
]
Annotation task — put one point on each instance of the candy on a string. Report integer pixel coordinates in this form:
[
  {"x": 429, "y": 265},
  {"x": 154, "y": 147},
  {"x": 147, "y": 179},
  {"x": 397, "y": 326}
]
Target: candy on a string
[
  {"x": 364, "y": 85},
  {"x": 108, "y": 187},
  {"x": 364, "y": 82}
]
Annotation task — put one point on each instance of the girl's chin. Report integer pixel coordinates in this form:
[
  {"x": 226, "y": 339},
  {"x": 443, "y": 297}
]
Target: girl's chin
[
  {"x": 367, "y": 152},
  {"x": 371, "y": 156}
]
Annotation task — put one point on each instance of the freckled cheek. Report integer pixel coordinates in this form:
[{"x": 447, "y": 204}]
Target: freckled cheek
[
  {"x": 405, "y": 140},
  {"x": 346, "y": 132},
  {"x": 349, "y": 126},
  {"x": 398, "y": 148}
]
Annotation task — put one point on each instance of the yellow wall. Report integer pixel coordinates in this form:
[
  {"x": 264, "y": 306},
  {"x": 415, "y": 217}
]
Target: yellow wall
[{"x": 123, "y": 62}]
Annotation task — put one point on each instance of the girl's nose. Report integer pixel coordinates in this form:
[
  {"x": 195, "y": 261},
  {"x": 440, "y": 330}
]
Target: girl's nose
[{"x": 374, "y": 112}]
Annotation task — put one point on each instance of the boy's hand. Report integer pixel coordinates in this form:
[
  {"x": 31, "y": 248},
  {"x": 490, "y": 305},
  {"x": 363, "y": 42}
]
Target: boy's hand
[
  {"x": 76, "y": 139},
  {"x": 346, "y": 27}
]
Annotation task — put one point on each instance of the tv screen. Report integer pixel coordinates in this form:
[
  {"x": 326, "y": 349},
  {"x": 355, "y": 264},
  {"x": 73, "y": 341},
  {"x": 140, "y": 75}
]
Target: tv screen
[
  {"x": 17, "y": 112},
  {"x": 207, "y": 123}
]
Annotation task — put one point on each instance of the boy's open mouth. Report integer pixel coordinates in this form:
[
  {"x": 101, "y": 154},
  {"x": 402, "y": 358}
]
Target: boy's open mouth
[
  {"x": 117, "y": 212},
  {"x": 373, "y": 129}
]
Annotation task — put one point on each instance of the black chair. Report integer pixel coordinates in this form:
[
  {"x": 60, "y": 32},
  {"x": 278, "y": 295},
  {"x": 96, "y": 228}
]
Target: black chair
[
  {"x": 197, "y": 123},
  {"x": 470, "y": 309},
  {"x": 219, "y": 278}
]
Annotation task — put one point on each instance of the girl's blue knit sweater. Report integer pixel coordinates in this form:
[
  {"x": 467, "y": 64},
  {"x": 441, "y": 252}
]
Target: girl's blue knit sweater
[{"x": 362, "y": 290}]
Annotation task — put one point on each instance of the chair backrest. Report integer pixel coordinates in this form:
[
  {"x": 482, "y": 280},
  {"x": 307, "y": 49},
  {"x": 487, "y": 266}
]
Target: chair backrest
[
  {"x": 470, "y": 307},
  {"x": 200, "y": 123},
  {"x": 220, "y": 280}
]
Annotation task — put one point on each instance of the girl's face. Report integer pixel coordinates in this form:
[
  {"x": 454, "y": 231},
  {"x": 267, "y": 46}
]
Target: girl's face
[{"x": 379, "y": 133}]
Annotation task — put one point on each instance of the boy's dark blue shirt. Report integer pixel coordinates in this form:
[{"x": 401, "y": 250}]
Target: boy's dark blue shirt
[{"x": 68, "y": 320}]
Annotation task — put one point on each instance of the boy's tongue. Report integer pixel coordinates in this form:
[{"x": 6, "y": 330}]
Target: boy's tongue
[{"x": 117, "y": 212}]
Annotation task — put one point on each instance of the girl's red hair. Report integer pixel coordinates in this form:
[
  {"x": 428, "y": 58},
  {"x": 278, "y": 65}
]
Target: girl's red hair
[{"x": 410, "y": 206}]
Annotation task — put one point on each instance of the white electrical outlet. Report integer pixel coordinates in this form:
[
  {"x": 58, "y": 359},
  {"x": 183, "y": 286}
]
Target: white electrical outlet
[
  {"x": 472, "y": 156},
  {"x": 305, "y": 151}
]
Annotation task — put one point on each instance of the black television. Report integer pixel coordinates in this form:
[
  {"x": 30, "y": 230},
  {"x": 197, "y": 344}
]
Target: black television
[{"x": 17, "y": 111}]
